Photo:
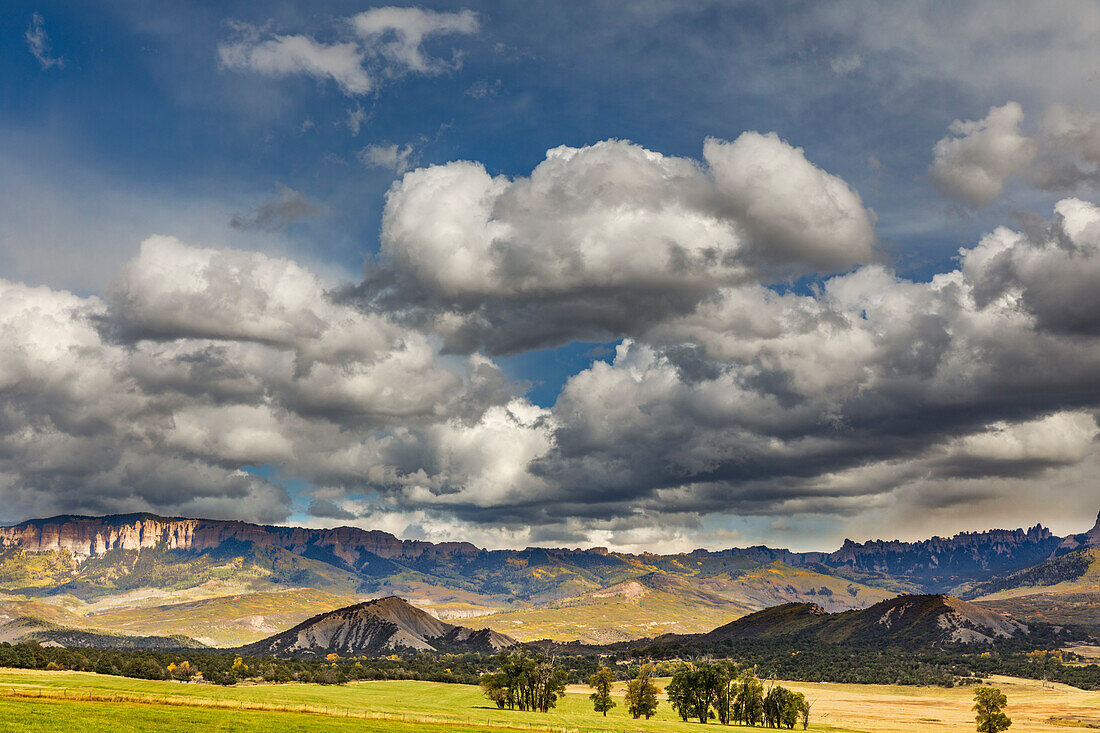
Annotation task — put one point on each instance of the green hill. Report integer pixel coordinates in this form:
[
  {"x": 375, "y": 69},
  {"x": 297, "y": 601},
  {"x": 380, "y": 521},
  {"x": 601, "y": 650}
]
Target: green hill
[
  {"x": 1079, "y": 570},
  {"x": 27, "y": 628},
  {"x": 1063, "y": 590}
]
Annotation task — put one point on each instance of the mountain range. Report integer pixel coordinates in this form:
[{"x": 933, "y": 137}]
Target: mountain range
[
  {"x": 230, "y": 583},
  {"x": 392, "y": 624}
]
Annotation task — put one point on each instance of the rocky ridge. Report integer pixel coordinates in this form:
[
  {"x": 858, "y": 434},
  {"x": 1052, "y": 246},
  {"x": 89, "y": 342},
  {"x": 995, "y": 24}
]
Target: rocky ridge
[{"x": 84, "y": 537}]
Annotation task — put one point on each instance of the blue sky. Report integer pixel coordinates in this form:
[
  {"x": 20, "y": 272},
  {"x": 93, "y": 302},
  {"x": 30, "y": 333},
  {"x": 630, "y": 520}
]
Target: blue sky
[
  {"x": 143, "y": 105},
  {"x": 123, "y": 120}
]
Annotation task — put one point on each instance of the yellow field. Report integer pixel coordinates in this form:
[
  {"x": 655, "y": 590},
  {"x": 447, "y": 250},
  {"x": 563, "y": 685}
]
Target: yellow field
[
  {"x": 84, "y": 701},
  {"x": 1032, "y": 705}
]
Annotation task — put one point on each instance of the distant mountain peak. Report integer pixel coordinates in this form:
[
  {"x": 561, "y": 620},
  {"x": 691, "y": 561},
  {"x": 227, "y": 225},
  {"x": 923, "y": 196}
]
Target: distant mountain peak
[{"x": 1082, "y": 541}]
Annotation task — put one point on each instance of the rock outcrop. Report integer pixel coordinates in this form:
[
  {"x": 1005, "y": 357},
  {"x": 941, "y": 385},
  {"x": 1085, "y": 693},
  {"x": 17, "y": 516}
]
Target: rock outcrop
[{"x": 942, "y": 563}]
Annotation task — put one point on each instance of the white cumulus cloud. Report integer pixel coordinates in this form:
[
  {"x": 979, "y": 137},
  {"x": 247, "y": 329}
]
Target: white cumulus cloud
[
  {"x": 606, "y": 239},
  {"x": 375, "y": 45},
  {"x": 979, "y": 155}
]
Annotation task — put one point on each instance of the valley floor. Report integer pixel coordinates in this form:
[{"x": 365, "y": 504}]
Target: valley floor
[{"x": 66, "y": 701}]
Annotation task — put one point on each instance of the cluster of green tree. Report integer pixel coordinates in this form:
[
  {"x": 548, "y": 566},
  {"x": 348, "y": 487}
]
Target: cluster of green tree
[
  {"x": 805, "y": 662},
  {"x": 524, "y": 680},
  {"x": 720, "y": 690},
  {"x": 641, "y": 693},
  {"x": 227, "y": 668}
]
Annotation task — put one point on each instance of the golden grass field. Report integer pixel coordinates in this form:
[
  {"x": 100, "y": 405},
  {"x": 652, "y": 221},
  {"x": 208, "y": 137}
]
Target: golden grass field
[
  {"x": 1033, "y": 706},
  {"x": 77, "y": 701}
]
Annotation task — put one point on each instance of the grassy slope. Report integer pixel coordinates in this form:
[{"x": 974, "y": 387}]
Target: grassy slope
[
  {"x": 777, "y": 582},
  {"x": 1073, "y": 573},
  {"x": 1081, "y": 610},
  {"x": 47, "y": 575},
  {"x": 627, "y": 610},
  {"x": 1073, "y": 600},
  {"x": 64, "y": 716},
  {"x": 701, "y": 604},
  {"x": 870, "y": 708},
  {"x": 227, "y": 598},
  {"x": 28, "y": 570},
  {"x": 226, "y": 620}
]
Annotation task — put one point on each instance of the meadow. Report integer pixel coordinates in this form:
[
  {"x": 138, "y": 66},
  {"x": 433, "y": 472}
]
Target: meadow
[{"x": 65, "y": 701}]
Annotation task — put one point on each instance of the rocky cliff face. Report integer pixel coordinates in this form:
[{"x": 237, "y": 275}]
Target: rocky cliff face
[
  {"x": 935, "y": 565},
  {"x": 377, "y": 627},
  {"x": 85, "y": 537},
  {"x": 939, "y": 562}
]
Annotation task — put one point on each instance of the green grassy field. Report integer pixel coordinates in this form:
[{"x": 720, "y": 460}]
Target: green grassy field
[
  {"x": 31, "y": 700},
  {"x": 68, "y": 716},
  {"x": 78, "y": 701}
]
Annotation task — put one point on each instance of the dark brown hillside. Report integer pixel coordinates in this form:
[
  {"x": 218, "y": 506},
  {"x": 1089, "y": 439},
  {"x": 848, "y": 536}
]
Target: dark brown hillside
[
  {"x": 376, "y": 627},
  {"x": 909, "y": 621}
]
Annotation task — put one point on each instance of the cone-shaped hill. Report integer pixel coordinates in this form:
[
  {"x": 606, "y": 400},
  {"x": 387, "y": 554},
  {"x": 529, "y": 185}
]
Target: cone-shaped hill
[{"x": 376, "y": 627}]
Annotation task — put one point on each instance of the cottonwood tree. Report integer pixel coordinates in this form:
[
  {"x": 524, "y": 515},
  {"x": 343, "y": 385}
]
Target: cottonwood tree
[
  {"x": 680, "y": 695},
  {"x": 641, "y": 693},
  {"x": 783, "y": 707},
  {"x": 601, "y": 682},
  {"x": 695, "y": 689},
  {"x": 748, "y": 703},
  {"x": 726, "y": 692},
  {"x": 989, "y": 703}
]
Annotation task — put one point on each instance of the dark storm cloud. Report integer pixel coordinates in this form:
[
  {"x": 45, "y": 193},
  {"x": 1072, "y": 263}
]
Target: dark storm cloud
[
  {"x": 201, "y": 362},
  {"x": 277, "y": 212},
  {"x": 1052, "y": 270},
  {"x": 735, "y": 401},
  {"x": 326, "y": 509}
]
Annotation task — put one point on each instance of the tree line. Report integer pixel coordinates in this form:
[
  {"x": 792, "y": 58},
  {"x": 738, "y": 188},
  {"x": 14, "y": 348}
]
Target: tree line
[
  {"x": 227, "y": 668},
  {"x": 816, "y": 662},
  {"x": 779, "y": 660}
]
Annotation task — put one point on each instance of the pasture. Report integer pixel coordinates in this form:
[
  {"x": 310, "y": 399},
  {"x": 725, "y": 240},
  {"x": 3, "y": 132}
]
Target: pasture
[{"x": 65, "y": 701}]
